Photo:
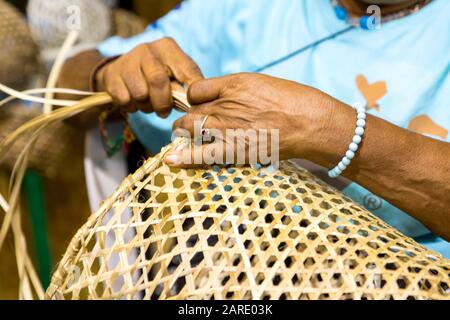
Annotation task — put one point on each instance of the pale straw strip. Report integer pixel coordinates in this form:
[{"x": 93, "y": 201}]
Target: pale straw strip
[
  {"x": 25, "y": 97},
  {"x": 44, "y": 90},
  {"x": 13, "y": 202},
  {"x": 29, "y": 269},
  {"x": 68, "y": 44}
]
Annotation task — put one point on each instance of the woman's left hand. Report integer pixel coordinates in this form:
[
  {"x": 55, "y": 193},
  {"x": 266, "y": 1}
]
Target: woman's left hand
[{"x": 299, "y": 114}]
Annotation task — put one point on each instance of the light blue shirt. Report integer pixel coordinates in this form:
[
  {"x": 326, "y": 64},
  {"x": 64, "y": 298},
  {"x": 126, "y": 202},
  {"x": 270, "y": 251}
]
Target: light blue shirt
[{"x": 400, "y": 71}]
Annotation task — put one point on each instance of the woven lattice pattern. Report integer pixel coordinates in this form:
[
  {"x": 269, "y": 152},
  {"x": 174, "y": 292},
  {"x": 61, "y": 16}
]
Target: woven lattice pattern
[{"x": 241, "y": 233}]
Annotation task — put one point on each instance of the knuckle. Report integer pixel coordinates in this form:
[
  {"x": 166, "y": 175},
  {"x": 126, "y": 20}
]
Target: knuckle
[
  {"x": 237, "y": 81},
  {"x": 197, "y": 110},
  {"x": 107, "y": 73},
  {"x": 178, "y": 123},
  {"x": 163, "y": 42},
  {"x": 110, "y": 85},
  {"x": 158, "y": 79},
  {"x": 141, "y": 48},
  {"x": 232, "y": 84},
  {"x": 152, "y": 61},
  {"x": 139, "y": 93},
  {"x": 122, "y": 62},
  {"x": 241, "y": 77},
  {"x": 120, "y": 98},
  {"x": 137, "y": 87},
  {"x": 128, "y": 74},
  {"x": 168, "y": 41}
]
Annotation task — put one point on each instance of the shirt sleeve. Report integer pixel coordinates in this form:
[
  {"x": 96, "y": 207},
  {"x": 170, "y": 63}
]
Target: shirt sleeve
[{"x": 195, "y": 25}]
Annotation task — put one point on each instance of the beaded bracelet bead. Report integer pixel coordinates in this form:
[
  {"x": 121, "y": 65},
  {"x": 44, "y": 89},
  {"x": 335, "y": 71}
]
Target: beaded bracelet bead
[{"x": 354, "y": 145}]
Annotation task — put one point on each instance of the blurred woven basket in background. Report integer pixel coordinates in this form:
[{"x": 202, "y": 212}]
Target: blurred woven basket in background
[
  {"x": 51, "y": 148},
  {"x": 19, "y": 55},
  {"x": 240, "y": 233},
  {"x": 126, "y": 23},
  {"x": 48, "y": 20},
  {"x": 19, "y": 65}
]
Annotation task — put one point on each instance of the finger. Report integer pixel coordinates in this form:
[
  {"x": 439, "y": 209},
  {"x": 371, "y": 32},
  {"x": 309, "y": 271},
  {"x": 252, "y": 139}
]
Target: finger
[
  {"x": 205, "y": 90},
  {"x": 117, "y": 90},
  {"x": 181, "y": 66},
  {"x": 184, "y": 69},
  {"x": 226, "y": 150},
  {"x": 188, "y": 122},
  {"x": 158, "y": 83},
  {"x": 197, "y": 156},
  {"x": 144, "y": 106},
  {"x": 136, "y": 84},
  {"x": 195, "y": 122}
]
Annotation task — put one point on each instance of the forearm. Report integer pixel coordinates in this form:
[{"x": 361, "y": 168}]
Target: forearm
[
  {"x": 409, "y": 170},
  {"x": 76, "y": 74}
]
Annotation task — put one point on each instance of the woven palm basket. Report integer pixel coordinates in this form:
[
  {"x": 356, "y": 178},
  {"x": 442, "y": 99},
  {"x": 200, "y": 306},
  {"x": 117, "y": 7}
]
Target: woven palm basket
[
  {"x": 19, "y": 54},
  {"x": 241, "y": 233},
  {"x": 51, "y": 148}
]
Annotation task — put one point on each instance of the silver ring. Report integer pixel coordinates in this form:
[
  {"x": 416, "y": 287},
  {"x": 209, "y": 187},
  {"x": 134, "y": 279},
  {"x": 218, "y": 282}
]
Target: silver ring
[{"x": 206, "y": 134}]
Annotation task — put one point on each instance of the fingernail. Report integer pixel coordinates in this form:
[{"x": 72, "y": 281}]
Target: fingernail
[{"x": 173, "y": 159}]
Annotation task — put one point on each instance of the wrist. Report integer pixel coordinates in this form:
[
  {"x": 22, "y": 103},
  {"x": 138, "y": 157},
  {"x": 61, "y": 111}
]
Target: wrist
[
  {"x": 332, "y": 132},
  {"x": 93, "y": 79},
  {"x": 76, "y": 72}
]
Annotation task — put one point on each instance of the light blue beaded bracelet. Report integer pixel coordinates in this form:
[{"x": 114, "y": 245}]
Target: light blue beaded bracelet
[{"x": 354, "y": 145}]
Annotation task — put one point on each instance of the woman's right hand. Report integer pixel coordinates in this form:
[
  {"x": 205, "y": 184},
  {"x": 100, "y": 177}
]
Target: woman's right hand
[{"x": 141, "y": 79}]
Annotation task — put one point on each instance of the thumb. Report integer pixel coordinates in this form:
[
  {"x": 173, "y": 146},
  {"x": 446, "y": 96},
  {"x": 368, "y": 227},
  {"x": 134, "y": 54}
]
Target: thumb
[
  {"x": 185, "y": 70},
  {"x": 196, "y": 156}
]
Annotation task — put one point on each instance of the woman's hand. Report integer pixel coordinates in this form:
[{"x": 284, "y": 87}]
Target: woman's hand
[
  {"x": 141, "y": 79},
  {"x": 299, "y": 115},
  {"x": 409, "y": 170}
]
